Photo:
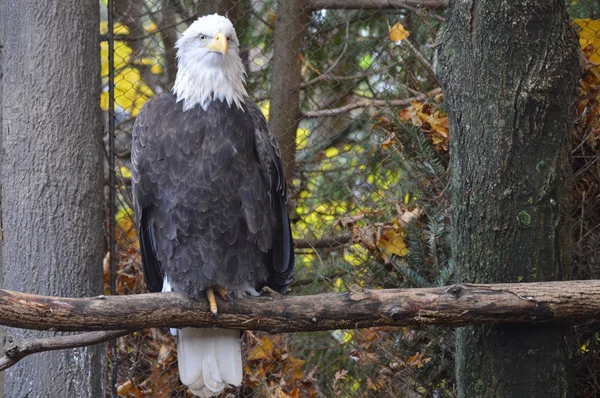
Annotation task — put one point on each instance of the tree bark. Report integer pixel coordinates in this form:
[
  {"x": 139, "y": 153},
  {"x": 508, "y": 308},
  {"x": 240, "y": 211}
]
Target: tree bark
[
  {"x": 456, "y": 305},
  {"x": 509, "y": 72},
  {"x": 2, "y": 38},
  {"x": 51, "y": 186},
  {"x": 286, "y": 77}
]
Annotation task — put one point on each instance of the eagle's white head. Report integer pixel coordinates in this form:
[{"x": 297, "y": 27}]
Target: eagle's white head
[{"x": 209, "y": 64}]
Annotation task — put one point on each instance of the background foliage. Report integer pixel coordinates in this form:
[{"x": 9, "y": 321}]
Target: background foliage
[{"x": 369, "y": 202}]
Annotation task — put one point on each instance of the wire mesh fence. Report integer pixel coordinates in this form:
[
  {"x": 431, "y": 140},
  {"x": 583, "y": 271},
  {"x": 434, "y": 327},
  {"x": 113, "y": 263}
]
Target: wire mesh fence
[
  {"x": 586, "y": 169},
  {"x": 353, "y": 97}
]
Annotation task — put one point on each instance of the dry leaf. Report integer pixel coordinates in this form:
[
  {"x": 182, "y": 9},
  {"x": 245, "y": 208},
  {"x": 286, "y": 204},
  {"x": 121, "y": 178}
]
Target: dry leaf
[
  {"x": 391, "y": 140},
  {"x": 348, "y": 220},
  {"x": 430, "y": 120},
  {"x": 398, "y": 33},
  {"x": 418, "y": 360},
  {"x": 392, "y": 241},
  {"x": 408, "y": 215},
  {"x": 261, "y": 351}
]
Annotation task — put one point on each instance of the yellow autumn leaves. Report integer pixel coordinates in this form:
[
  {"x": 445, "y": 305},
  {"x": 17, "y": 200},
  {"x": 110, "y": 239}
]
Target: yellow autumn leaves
[
  {"x": 131, "y": 92},
  {"x": 398, "y": 33},
  {"x": 589, "y": 38}
]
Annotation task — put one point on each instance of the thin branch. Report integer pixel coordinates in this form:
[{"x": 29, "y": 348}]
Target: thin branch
[
  {"x": 421, "y": 58},
  {"x": 367, "y": 104},
  {"x": 326, "y": 278},
  {"x": 456, "y": 305},
  {"x": 360, "y": 76},
  {"x": 339, "y": 58},
  {"x": 321, "y": 243},
  {"x": 17, "y": 350},
  {"x": 427, "y": 15},
  {"x": 376, "y": 4}
]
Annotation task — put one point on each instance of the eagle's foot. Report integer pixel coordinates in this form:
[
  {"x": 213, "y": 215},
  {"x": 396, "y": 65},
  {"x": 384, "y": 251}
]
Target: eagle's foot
[
  {"x": 267, "y": 291},
  {"x": 222, "y": 292},
  {"x": 212, "y": 302}
]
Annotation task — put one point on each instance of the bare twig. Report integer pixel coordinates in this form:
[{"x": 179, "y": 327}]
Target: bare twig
[
  {"x": 321, "y": 243},
  {"x": 421, "y": 58},
  {"x": 326, "y": 278},
  {"x": 419, "y": 11},
  {"x": 367, "y": 104},
  {"x": 17, "y": 350},
  {"x": 360, "y": 76},
  {"x": 339, "y": 58}
]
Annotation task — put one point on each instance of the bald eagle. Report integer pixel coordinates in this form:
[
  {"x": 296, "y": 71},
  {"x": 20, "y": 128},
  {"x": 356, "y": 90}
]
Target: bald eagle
[{"x": 209, "y": 197}]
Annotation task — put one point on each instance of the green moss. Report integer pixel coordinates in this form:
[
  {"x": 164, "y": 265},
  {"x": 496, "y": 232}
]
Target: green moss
[
  {"x": 524, "y": 217},
  {"x": 540, "y": 166},
  {"x": 479, "y": 387}
]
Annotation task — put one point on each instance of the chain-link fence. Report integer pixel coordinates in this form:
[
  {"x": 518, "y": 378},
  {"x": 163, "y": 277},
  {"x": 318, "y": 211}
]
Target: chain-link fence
[
  {"x": 353, "y": 97},
  {"x": 586, "y": 212}
]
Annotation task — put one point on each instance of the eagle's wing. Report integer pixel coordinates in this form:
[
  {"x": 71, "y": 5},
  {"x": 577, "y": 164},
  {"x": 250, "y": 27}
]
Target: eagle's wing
[
  {"x": 143, "y": 197},
  {"x": 279, "y": 260}
]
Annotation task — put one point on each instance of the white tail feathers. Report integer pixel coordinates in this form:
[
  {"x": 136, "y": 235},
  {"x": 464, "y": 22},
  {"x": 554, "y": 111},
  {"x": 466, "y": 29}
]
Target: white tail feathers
[{"x": 209, "y": 359}]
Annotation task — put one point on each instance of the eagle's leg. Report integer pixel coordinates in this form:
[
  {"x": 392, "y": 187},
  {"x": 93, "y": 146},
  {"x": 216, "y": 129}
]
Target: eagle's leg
[{"x": 212, "y": 302}]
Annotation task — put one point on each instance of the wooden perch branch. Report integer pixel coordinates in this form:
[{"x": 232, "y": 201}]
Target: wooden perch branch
[{"x": 456, "y": 305}]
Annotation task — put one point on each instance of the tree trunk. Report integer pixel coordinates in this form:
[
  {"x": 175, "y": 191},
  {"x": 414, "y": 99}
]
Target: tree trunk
[
  {"x": 284, "y": 109},
  {"x": 51, "y": 186},
  {"x": 509, "y": 71},
  {"x": 2, "y": 36}
]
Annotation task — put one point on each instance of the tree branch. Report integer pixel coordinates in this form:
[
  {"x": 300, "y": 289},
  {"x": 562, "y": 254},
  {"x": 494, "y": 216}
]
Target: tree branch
[
  {"x": 376, "y": 4},
  {"x": 456, "y": 305},
  {"x": 329, "y": 243},
  {"x": 360, "y": 76},
  {"x": 421, "y": 58},
  {"x": 367, "y": 104},
  {"x": 17, "y": 350}
]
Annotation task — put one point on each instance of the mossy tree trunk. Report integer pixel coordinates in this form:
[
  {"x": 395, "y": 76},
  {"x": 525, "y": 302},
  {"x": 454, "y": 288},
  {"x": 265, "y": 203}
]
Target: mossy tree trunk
[{"x": 509, "y": 71}]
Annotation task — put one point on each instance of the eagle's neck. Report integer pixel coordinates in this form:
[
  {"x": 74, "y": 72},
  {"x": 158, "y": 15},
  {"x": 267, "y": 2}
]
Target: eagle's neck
[{"x": 199, "y": 85}]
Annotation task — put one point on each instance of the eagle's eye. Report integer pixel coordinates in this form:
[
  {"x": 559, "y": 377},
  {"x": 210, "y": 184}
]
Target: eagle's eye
[
  {"x": 202, "y": 37},
  {"x": 228, "y": 37}
]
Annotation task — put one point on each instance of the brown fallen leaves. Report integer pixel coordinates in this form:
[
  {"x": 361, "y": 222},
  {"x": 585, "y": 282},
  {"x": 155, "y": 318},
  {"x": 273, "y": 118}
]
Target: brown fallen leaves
[{"x": 272, "y": 369}]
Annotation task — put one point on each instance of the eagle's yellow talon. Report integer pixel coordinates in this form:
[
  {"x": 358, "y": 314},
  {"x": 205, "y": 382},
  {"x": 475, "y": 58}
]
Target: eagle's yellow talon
[
  {"x": 222, "y": 292},
  {"x": 212, "y": 302}
]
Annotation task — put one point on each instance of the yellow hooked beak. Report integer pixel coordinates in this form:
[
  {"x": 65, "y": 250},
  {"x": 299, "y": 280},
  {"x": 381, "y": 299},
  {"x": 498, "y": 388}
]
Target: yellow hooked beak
[{"x": 219, "y": 44}]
